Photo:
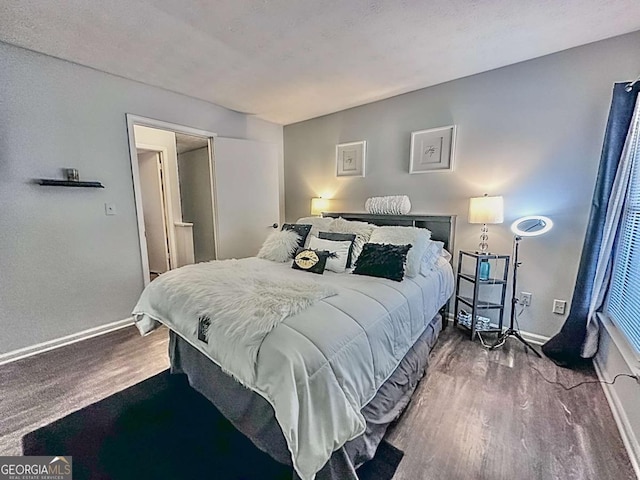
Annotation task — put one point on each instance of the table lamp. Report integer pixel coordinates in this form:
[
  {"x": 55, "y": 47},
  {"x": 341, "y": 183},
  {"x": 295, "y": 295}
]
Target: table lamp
[
  {"x": 319, "y": 205},
  {"x": 485, "y": 210}
]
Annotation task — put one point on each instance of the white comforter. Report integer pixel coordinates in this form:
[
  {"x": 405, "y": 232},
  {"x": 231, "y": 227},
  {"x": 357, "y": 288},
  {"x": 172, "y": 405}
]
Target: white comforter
[{"x": 319, "y": 367}]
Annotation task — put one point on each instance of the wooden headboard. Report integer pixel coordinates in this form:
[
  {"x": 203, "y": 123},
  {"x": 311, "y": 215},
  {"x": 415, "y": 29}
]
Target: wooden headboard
[{"x": 442, "y": 227}]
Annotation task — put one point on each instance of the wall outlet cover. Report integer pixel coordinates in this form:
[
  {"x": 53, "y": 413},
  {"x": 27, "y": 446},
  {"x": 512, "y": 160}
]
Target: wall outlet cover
[
  {"x": 559, "y": 306},
  {"x": 525, "y": 298}
]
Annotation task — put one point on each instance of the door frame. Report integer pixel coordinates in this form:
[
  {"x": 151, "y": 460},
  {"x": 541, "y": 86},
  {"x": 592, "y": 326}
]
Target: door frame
[{"x": 135, "y": 174}]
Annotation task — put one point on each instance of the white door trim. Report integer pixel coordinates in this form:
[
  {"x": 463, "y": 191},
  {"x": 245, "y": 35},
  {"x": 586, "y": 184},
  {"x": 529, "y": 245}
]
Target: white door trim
[
  {"x": 133, "y": 159},
  {"x": 212, "y": 182}
]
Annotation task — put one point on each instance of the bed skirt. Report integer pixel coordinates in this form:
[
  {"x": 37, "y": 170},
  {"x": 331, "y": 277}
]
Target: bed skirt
[{"x": 254, "y": 417}]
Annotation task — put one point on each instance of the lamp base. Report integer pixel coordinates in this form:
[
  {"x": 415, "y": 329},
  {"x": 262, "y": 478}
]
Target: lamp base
[{"x": 484, "y": 238}]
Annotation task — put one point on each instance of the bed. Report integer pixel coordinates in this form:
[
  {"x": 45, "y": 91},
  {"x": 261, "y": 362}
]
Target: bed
[{"x": 326, "y": 382}]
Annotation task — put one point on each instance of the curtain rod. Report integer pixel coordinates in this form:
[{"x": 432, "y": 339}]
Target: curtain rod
[{"x": 629, "y": 86}]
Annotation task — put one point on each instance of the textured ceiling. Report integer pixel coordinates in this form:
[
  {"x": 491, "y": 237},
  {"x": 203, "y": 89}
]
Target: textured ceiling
[
  {"x": 287, "y": 61},
  {"x": 187, "y": 143}
]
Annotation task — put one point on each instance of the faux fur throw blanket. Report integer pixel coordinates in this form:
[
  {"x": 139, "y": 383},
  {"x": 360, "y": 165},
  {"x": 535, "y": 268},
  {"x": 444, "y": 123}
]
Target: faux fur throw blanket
[{"x": 239, "y": 303}]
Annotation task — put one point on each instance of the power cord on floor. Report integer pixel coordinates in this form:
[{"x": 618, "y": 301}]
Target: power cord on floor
[
  {"x": 493, "y": 346},
  {"x": 552, "y": 382},
  {"x": 566, "y": 388},
  {"x": 582, "y": 383}
]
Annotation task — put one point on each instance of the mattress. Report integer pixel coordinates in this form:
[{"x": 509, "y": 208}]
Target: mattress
[{"x": 252, "y": 415}]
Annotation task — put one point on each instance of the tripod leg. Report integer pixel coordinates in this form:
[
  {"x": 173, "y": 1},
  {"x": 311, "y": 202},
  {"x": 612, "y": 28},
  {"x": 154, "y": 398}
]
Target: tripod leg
[
  {"x": 501, "y": 340},
  {"x": 526, "y": 344}
]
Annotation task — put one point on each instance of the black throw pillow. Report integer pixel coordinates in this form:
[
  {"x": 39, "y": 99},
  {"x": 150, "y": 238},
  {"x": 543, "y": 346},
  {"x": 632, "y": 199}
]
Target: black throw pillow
[
  {"x": 310, "y": 260},
  {"x": 340, "y": 237},
  {"x": 301, "y": 229},
  {"x": 382, "y": 260}
]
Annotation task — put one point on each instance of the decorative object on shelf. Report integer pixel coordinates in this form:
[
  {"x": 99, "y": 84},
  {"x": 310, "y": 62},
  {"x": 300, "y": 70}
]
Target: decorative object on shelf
[
  {"x": 478, "y": 284},
  {"x": 485, "y": 270},
  {"x": 389, "y": 205},
  {"x": 350, "y": 159},
  {"x": 72, "y": 174},
  {"x": 432, "y": 150},
  {"x": 531, "y": 226},
  {"x": 319, "y": 205},
  {"x": 483, "y": 324},
  {"x": 486, "y": 210}
]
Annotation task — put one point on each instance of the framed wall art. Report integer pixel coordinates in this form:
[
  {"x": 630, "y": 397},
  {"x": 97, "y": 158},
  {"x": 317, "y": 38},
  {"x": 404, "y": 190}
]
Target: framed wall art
[
  {"x": 350, "y": 159},
  {"x": 432, "y": 150}
]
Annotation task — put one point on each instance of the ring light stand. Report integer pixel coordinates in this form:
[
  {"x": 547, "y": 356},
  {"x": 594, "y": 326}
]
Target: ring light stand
[{"x": 531, "y": 226}]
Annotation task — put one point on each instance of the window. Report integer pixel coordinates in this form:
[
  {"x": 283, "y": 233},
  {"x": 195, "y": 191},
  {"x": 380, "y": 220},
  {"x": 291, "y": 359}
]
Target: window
[{"x": 623, "y": 303}]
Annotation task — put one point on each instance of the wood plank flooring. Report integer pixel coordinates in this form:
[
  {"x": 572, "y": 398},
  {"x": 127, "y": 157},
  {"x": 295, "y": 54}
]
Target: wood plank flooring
[
  {"x": 478, "y": 415},
  {"x": 37, "y": 390},
  {"x": 488, "y": 415}
]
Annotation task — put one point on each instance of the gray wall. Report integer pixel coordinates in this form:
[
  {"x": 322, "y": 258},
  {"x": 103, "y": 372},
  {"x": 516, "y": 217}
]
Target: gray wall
[
  {"x": 197, "y": 206},
  {"x": 64, "y": 266},
  {"x": 531, "y": 132}
]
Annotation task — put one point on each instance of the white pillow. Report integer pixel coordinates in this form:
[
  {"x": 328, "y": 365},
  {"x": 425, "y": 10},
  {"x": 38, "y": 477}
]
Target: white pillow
[
  {"x": 361, "y": 230},
  {"x": 279, "y": 246},
  {"x": 431, "y": 254},
  {"x": 338, "y": 263},
  {"x": 417, "y": 237},
  {"x": 318, "y": 224}
]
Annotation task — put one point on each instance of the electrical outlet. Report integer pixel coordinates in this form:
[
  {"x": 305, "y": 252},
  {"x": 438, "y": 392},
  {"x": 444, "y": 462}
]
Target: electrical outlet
[
  {"x": 559, "y": 306},
  {"x": 525, "y": 299}
]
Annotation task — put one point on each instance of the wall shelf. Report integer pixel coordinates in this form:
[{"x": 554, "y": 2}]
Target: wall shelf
[{"x": 68, "y": 183}]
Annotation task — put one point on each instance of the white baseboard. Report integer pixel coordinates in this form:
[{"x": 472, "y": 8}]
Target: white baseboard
[
  {"x": 626, "y": 432},
  {"x": 60, "y": 342},
  {"x": 534, "y": 338}
]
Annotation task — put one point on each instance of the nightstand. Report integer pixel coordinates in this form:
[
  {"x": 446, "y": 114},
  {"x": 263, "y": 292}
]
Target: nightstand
[{"x": 469, "y": 271}]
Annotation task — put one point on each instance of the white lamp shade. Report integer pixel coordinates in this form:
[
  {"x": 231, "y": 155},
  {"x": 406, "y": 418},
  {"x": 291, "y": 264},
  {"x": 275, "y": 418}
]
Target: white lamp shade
[
  {"x": 486, "y": 209},
  {"x": 319, "y": 205}
]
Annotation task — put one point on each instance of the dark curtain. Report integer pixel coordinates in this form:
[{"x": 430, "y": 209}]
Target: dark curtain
[{"x": 565, "y": 348}]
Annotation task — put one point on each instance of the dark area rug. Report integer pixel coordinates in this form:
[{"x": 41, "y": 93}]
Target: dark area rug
[{"x": 162, "y": 428}]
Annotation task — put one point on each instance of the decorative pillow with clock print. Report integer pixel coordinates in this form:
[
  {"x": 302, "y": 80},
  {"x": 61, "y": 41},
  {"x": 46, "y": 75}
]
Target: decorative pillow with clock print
[{"x": 310, "y": 260}]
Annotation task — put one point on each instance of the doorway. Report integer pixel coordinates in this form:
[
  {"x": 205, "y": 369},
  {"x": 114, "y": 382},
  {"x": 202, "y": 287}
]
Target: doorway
[
  {"x": 172, "y": 170},
  {"x": 212, "y": 210},
  {"x": 196, "y": 194},
  {"x": 155, "y": 214}
]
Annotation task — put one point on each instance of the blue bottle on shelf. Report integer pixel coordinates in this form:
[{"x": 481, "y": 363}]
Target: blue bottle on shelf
[{"x": 485, "y": 270}]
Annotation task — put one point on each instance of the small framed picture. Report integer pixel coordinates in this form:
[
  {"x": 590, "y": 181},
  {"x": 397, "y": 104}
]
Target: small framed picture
[
  {"x": 350, "y": 159},
  {"x": 432, "y": 150}
]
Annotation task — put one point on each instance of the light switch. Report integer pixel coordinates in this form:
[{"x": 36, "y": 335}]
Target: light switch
[{"x": 110, "y": 209}]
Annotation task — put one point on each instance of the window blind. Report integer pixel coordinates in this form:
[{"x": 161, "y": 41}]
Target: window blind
[{"x": 623, "y": 304}]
